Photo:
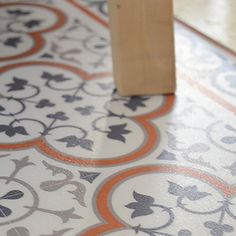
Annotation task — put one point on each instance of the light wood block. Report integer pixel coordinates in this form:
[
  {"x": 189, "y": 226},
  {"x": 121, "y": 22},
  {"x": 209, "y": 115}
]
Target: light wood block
[{"x": 142, "y": 46}]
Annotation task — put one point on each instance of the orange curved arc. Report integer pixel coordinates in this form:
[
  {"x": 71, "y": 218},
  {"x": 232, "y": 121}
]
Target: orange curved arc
[
  {"x": 101, "y": 75},
  {"x": 72, "y": 69},
  {"x": 143, "y": 120},
  {"x": 36, "y": 36},
  {"x": 42, "y": 146},
  {"x": 34, "y": 49},
  {"x": 21, "y": 145},
  {"x": 102, "y": 197},
  {"x": 152, "y": 139},
  {"x": 211, "y": 94},
  {"x": 168, "y": 104}
]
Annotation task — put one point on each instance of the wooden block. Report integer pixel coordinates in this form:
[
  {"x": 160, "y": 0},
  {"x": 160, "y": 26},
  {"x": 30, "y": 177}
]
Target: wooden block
[{"x": 142, "y": 46}]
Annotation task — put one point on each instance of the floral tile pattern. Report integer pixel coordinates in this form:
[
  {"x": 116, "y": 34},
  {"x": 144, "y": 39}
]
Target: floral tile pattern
[{"x": 84, "y": 161}]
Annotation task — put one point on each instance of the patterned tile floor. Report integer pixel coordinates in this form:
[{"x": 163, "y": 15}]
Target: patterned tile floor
[
  {"x": 76, "y": 159},
  {"x": 214, "y": 18}
]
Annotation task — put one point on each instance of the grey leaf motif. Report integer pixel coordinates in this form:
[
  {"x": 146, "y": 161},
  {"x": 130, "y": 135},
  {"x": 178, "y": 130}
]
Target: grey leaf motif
[
  {"x": 20, "y": 130},
  {"x": 175, "y": 189},
  {"x": 44, "y": 103},
  {"x": 32, "y": 23},
  {"x": 177, "y": 125},
  {"x": 165, "y": 155},
  {"x": 232, "y": 168},
  {"x": 73, "y": 141},
  {"x": 13, "y": 42},
  {"x": 7, "y": 129},
  {"x": 18, "y": 12},
  {"x": 89, "y": 176},
  {"x": 142, "y": 206},
  {"x": 86, "y": 144},
  {"x": 104, "y": 86},
  {"x": 57, "y": 233},
  {"x": 67, "y": 215},
  {"x": 71, "y": 98},
  {"x": 22, "y": 163},
  {"x": 12, "y": 131},
  {"x": 18, "y": 84},
  {"x": 57, "y": 170},
  {"x": 136, "y": 102},
  {"x": 231, "y": 128},
  {"x": 117, "y": 132},
  {"x": 18, "y": 231},
  {"x": 58, "y": 116},
  {"x": 52, "y": 185},
  {"x": 184, "y": 232},
  {"x": 193, "y": 194},
  {"x": 173, "y": 142},
  {"x": 14, "y": 194},
  {"x": 47, "y": 55},
  {"x": 229, "y": 140},
  {"x": 79, "y": 192},
  {"x": 199, "y": 147},
  {"x": 190, "y": 192},
  {"x": 85, "y": 111},
  {"x": 55, "y": 78},
  {"x": 143, "y": 198},
  {"x": 218, "y": 229},
  {"x": 4, "y": 211},
  {"x": 19, "y": 164}
]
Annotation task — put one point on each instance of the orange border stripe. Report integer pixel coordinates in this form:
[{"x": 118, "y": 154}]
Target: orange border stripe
[
  {"x": 36, "y": 36},
  {"x": 216, "y": 98},
  {"x": 106, "y": 190},
  {"x": 143, "y": 120}
]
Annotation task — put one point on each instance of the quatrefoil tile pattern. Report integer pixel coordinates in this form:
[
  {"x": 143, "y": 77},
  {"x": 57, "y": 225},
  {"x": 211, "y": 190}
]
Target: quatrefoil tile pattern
[
  {"x": 23, "y": 26},
  {"x": 77, "y": 159}
]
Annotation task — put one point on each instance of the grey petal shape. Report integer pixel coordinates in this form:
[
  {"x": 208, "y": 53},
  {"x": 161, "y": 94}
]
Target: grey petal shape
[
  {"x": 192, "y": 193},
  {"x": 4, "y": 211},
  {"x": 12, "y": 195},
  {"x": 176, "y": 189},
  {"x": 144, "y": 199},
  {"x": 229, "y": 140},
  {"x": 165, "y": 155},
  {"x": 86, "y": 144}
]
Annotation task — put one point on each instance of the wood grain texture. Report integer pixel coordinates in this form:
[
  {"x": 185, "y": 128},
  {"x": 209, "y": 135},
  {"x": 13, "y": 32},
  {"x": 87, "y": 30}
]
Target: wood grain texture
[{"x": 143, "y": 46}]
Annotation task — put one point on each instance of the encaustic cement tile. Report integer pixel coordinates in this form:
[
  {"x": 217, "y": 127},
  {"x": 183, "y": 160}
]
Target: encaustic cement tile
[{"x": 83, "y": 161}]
